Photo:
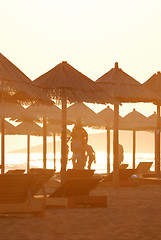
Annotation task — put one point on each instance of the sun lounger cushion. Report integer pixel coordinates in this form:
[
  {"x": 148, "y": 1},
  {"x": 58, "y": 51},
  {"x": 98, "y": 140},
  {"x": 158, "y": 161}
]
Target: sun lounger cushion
[
  {"x": 14, "y": 188},
  {"x": 75, "y": 187},
  {"x": 79, "y": 173}
]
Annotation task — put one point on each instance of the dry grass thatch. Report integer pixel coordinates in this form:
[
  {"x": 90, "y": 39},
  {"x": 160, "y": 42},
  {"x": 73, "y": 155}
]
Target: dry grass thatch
[
  {"x": 49, "y": 112},
  {"x": 14, "y": 82},
  {"x": 154, "y": 84},
  {"x": 124, "y": 87},
  {"x": 88, "y": 117},
  {"x": 64, "y": 80}
]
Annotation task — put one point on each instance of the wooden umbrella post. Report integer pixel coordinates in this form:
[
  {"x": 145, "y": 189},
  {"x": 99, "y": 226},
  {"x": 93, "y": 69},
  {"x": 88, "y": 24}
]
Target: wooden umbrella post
[
  {"x": 28, "y": 153},
  {"x": 115, "y": 147},
  {"x": 155, "y": 145},
  {"x": 44, "y": 143},
  {"x": 64, "y": 140},
  {"x": 2, "y": 146},
  {"x": 54, "y": 150},
  {"x": 134, "y": 148},
  {"x": 158, "y": 142},
  {"x": 108, "y": 151}
]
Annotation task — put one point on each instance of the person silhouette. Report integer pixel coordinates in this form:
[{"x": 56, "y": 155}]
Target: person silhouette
[{"x": 78, "y": 145}]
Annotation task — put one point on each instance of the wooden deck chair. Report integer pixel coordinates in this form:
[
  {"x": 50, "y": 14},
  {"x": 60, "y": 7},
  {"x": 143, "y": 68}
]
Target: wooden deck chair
[
  {"x": 123, "y": 166},
  {"x": 15, "y": 197},
  {"x": 142, "y": 168},
  {"x": 75, "y": 193},
  {"x": 79, "y": 173},
  {"x": 16, "y": 171},
  {"x": 124, "y": 174},
  {"x": 42, "y": 177},
  {"x": 75, "y": 187}
]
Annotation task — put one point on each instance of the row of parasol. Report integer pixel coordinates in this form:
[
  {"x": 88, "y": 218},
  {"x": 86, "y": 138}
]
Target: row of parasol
[{"x": 66, "y": 85}]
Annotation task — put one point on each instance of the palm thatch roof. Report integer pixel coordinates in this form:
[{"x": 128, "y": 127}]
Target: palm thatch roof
[
  {"x": 124, "y": 87},
  {"x": 153, "y": 120},
  {"x": 49, "y": 112},
  {"x": 154, "y": 84},
  {"x": 10, "y": 109},
  {"x": 29, "y": 128},
  {"x": 9, "y": 128},
  {"x": 135, "y": 121},
  {"x": 107, "y": 115},
  {"x": 56, "y": 129},
  {"x": 17, "y": 84},
  {"x": 87, "y": 116},
  {"x": 64, "y": 80}
]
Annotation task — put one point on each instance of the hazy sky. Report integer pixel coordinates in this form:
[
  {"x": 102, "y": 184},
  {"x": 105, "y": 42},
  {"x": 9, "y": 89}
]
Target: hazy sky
[{"x": 91, "y": 35}]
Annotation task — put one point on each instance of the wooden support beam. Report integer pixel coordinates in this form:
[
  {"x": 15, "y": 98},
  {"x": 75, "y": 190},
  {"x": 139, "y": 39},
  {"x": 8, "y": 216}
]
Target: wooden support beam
[
  {"x": 28, "y": 153},
  {"x": 115, "y": 147},
  {"x": 108, "y": 151},
  {"x": 134, "y": 148}
]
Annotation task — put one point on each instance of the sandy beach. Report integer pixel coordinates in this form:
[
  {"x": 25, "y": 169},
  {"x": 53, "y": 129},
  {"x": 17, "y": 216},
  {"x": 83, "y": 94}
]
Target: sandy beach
[{"x": 132, "y": 213}]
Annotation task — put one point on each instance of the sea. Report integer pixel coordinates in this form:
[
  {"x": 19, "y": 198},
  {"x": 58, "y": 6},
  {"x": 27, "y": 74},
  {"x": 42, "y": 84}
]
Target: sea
[{"x": 19, "y": 161}]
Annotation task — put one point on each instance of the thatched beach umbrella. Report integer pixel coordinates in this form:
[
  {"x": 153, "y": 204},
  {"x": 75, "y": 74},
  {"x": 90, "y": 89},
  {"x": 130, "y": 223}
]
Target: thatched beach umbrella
[
  {"x": 107, "y": 115},
  {"x": 154, "y": 84},
  {"x": 28, "y": 128},
  {"x": 14, "y": 82},
  {"x": 8, "y": 109},
  {"x": 45, "y": 113},
  {"x": 9, "y": 128},
  {"x": 87, "y": 116},
  {"x": 55, "y": 130},
  {"x": 135, "y": 121},
  {"x": 126, "y": 89},
  {"x": 66, "y": 84}
]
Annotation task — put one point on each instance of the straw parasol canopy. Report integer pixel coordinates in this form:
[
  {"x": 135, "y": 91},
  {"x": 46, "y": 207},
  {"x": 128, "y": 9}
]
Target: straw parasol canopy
[
  {"x": 135, "y": 121},
  {"x": 88, "y": 117},
  {"x": 66, "y": 84},
  {"x": 29, "y": 128},
  {"x": 9, "y": 128},
  {"x": 55, "y": 129},
  {"x": 8, "y": 110},
  {"x": 14, "y": 82},
  {"x": 40, "y": 111},
  {"x": 107, "y": 115},
  {"x": 65, "y": 80},
  {"x": 124, "y": 87},
  {"x": 44, "y": 113},
  {"x": 154, "y": 84},
  {"x": 153, "y": 120}
]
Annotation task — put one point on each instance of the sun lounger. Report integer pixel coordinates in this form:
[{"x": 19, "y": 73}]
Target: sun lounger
[
  {"x": 15, "y": 195},
  {"x": 124, "y": 174},
  {"x": 16, "y": 171},
  {"x": 123, "y": 166},
  {"x": 150, "y": 174},
  {"x": 79, "y": 173},
  {"x": 142, "y": 168},
  {"x": 75, "y": 187},
  {"x": 75, "y": 193},
  {"x": 42, "y": 177}
]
